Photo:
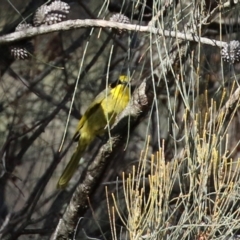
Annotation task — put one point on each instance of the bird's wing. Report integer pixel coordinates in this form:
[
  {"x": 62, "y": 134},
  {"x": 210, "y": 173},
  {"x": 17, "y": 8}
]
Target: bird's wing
[{"x": 91, "y": 110}]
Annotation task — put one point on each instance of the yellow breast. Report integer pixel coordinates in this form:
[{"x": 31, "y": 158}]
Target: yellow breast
[{"x": 116, "y": 101}]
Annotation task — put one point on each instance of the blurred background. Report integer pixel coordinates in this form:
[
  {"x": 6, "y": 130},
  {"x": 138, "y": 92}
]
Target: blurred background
[{"x": 43, "y": 97}]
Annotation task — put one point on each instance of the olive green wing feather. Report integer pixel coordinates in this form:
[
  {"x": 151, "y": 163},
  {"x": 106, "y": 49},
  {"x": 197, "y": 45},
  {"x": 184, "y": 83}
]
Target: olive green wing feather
[{"x": 91, "y": 110}]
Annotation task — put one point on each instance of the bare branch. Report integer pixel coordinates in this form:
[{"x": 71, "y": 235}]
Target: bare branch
[
  {"x": 75, "y": 24},
  {"x": 136, "y": 110}
]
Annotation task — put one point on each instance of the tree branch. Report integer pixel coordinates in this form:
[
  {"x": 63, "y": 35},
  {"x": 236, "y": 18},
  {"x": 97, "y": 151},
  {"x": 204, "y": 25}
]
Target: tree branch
[
  {"x": 75, "y": 24},
  {"x": 138, "y": 108}
]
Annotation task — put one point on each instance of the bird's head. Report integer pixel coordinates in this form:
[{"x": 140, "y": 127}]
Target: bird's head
[{"x": 124, "y": 79}]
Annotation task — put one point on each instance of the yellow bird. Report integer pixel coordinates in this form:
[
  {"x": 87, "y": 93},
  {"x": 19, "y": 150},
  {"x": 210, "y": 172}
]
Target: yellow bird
[{"x": 100, "y": 114}]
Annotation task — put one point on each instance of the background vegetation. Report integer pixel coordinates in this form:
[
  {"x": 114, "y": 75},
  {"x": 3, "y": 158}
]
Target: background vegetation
[{"x": 172, "y": 171}]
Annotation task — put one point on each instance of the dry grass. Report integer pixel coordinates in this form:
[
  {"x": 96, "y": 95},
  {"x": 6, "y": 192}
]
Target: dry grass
[{"x": 194, "y": 196}]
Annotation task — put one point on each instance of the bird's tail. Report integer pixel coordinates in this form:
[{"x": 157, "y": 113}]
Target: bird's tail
[{"x": 73, "y": 163}]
